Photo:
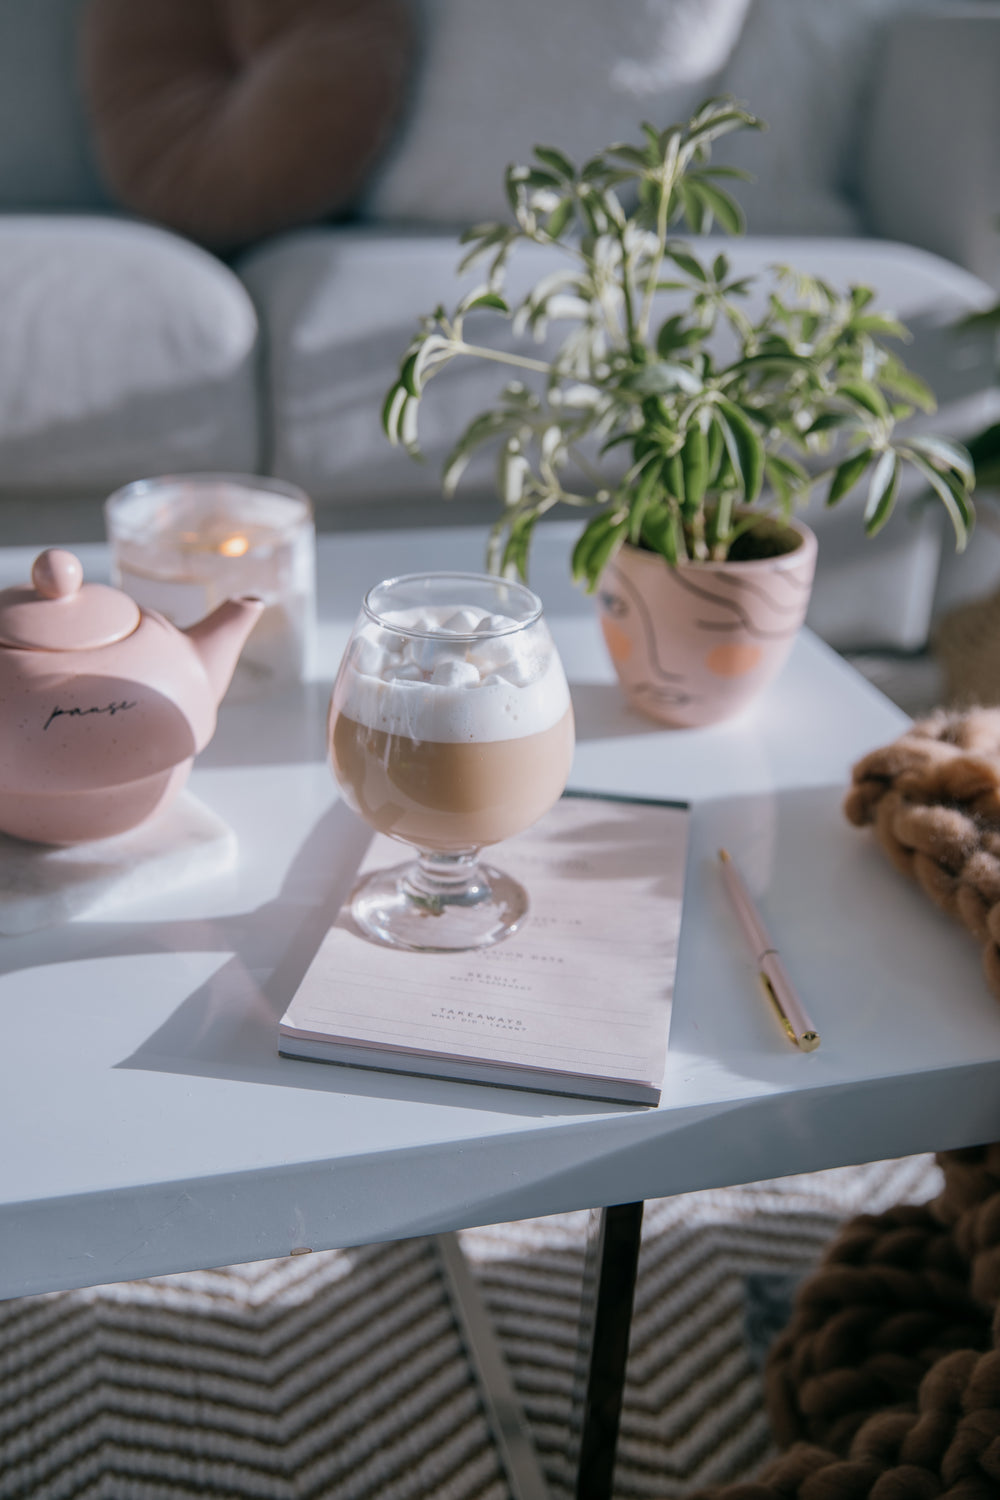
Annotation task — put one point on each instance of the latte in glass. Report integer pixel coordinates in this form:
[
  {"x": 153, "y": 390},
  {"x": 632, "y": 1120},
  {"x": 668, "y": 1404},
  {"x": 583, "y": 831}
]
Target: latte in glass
[{"x": 451, "y": 728}]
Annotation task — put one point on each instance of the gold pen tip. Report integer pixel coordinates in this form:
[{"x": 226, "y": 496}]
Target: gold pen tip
[
  {"x": 724, "y": 856},
  {"x": 809, "y": 1041}
]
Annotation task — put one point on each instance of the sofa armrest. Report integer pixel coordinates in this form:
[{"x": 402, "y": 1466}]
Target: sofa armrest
[{"x": 930, "y": 171}]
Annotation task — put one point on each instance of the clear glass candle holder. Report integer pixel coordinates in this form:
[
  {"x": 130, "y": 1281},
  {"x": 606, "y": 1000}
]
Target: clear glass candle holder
[{"x": 181, "y": 544}]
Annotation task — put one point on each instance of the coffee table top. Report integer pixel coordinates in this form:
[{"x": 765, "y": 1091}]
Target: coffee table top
[{"x": 151, "y": 1126}]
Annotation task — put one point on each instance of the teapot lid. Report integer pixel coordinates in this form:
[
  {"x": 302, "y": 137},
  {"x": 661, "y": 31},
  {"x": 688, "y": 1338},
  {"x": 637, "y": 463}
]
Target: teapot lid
[{"x": 61, "y": 612}]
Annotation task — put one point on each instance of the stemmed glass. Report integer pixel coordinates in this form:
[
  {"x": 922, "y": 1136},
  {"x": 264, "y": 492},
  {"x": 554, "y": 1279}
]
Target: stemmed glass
[{"x": 450, "y": 728}]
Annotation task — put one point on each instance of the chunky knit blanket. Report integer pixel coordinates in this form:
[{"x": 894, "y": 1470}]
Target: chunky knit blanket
[
  {"x": 886, "y": 1383},
  {"x": 933, "y": 799}
]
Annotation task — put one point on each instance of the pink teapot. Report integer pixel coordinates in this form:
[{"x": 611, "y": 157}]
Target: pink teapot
[{"x": 103, "y": 706}]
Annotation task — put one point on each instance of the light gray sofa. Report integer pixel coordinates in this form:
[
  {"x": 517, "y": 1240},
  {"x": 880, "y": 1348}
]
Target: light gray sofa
[{"x": 127, "y": 350}]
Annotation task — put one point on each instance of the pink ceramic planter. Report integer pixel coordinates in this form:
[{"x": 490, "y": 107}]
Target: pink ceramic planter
[{"x": 694, "y": 644}]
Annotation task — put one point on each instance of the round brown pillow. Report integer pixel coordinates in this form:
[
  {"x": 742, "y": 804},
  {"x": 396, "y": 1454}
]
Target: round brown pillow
[{"x": 228, "y": 120}]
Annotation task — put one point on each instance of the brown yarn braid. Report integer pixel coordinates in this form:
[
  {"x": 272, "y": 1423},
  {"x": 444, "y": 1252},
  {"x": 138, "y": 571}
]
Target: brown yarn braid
[
  {"x": 933, "y": 799},
  {"x": 886, "y": 1383}
]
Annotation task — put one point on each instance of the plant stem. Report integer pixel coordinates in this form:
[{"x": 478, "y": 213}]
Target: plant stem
[
  {"x": 501, "y": 356},
  {"x": 661, "y": 245}
]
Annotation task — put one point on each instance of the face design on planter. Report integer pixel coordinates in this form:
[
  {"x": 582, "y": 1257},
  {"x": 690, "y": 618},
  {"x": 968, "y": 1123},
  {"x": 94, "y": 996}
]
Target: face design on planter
[{"x": 673, "y": 658}]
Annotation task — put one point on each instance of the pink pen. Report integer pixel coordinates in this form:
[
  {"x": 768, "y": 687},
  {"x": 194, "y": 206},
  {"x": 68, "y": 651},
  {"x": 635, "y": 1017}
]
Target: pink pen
[{"x": 773, "y": 974}]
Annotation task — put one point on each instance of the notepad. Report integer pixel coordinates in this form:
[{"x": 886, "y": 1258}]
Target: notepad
[{"x": 576, "y": 1001}]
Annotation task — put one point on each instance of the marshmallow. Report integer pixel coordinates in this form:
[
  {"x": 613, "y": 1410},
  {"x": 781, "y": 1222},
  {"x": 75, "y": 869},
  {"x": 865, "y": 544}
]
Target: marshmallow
[
  {"x": 428, "y": 651},
  {"x": 464, "y": 621},
  {"x": 401, "y": 672},
  {"x": 435, "y": 689},
  {"x": 451, "y": 673}
]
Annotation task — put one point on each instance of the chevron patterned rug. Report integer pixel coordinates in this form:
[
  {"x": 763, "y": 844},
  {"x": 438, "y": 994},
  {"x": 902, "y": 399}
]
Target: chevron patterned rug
[{"x": 340, "y": 1376}]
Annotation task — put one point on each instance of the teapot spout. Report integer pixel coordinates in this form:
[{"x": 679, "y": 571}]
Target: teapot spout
[{"x": 220, "y": 637}]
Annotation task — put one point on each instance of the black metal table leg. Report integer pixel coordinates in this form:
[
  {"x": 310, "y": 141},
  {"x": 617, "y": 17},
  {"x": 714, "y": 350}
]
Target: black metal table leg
[{"x": 606, "y": 1322}]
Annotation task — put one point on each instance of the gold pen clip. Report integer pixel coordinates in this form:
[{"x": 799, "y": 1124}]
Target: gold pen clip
[{"x": 809, "y": 1040}]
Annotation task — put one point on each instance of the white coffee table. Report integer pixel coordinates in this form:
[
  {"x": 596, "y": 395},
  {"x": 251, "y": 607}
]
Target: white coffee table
[{"x": 150, "y": 1125}]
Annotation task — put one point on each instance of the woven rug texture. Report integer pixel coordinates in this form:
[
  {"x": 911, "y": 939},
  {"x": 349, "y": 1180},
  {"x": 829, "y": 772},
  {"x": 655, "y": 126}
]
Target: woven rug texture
[{"x": 340, "y": 1375}]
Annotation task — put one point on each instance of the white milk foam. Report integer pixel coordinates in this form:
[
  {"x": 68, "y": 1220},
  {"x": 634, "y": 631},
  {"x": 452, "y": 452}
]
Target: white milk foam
[{"x": 429, "y": 688}]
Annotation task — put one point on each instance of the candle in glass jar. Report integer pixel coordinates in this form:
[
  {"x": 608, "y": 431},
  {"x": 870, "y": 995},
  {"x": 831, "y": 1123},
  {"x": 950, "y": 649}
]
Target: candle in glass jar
[{"x": 182, "y": 544}]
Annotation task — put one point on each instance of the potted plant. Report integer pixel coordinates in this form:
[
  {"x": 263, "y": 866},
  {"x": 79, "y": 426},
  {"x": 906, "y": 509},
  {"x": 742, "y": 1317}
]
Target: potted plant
[{"x": 692, "y": 460}]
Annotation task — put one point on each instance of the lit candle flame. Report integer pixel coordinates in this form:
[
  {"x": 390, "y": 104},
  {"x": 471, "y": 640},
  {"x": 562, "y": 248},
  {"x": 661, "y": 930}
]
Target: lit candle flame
[{"x": 234, "y": 546}]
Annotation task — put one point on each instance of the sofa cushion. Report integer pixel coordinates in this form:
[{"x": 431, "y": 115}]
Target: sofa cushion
[
  {"x": 228, "y": 121},
  {"x": 810, "y": 69},
  {"x": 46, "y": 159},
  {"x": 338, "y": 308},
  {"x": 125, "y": 351},
  {"x": 495, "y": 79}
]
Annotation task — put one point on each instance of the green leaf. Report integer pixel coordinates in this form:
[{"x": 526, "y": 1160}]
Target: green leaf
[
  {"x": 745, "y": 449},
  {"x": 827, "y": 420},
  {"x": 595, "y": 548},
  {"x": 673, "y": 476},
  {"x": 985, "y": 446},
  {"x": 497, "y": 235},
  {"x": 716, "y": 451},
  {"x": 488, "y": 425},
  {"x": 559, "y": 218},
  {"x": 617, "y": 440},
  {"x": 663, "y": 532},
  {"x": 673, "y": 335},
  {"x": 862, "y": 393},
  {"x": 694, "y": 459},
  {"x": 534, "y": 178},
  {"x": 723, "y": 123},
  {"x": 733, "y": 172},
  {"x": 989, "y": 318},
  {"x": 653, "y": 139},
  {"x": 882, "y": 489},
  {"x": 696, "y": 210},
  {"x": 632, "y": 154},
  {"x": 896, "y": 378},
  {"x": 392, "y": 411},
  {"x": 951, "y": 455},
  {"x": 720, "y": 205},
  {"x": 558, "y": 161},
  {"x": 881, "y": 323},
  {"x": 767, "y": 363},
  {"x": 407, "y": 375},
  {"x": 953, "y": 496},
  {"x": 664, "y": 377},
  {"x": 641, "y": 498},
  {"x": 484, "y": 299},
  {"x": 687, "y": 262},
  {"x": 513, "y": 186},
  {"x": 515, "y": 553},
  {"x": 787, "y": 478},
  {"x": 847, "y": 475}
]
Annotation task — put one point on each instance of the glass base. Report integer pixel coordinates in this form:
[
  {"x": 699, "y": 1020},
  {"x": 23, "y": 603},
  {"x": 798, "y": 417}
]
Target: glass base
[{"x": 438, "y": 904}]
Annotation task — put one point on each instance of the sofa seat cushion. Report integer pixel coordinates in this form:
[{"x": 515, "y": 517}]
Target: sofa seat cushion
[
  {"x": 125, "y": 351},
  {"x": 228, "y": 121},
  {"x": 338, "y": 307}
]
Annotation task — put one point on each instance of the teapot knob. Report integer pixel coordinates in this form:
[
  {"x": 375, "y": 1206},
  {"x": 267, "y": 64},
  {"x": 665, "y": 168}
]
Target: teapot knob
[{"x": 57, "y": 574}]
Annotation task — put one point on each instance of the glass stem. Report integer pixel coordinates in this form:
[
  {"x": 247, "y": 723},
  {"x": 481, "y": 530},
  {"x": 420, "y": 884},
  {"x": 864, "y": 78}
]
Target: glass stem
[{"x": 436, "y": 880}]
